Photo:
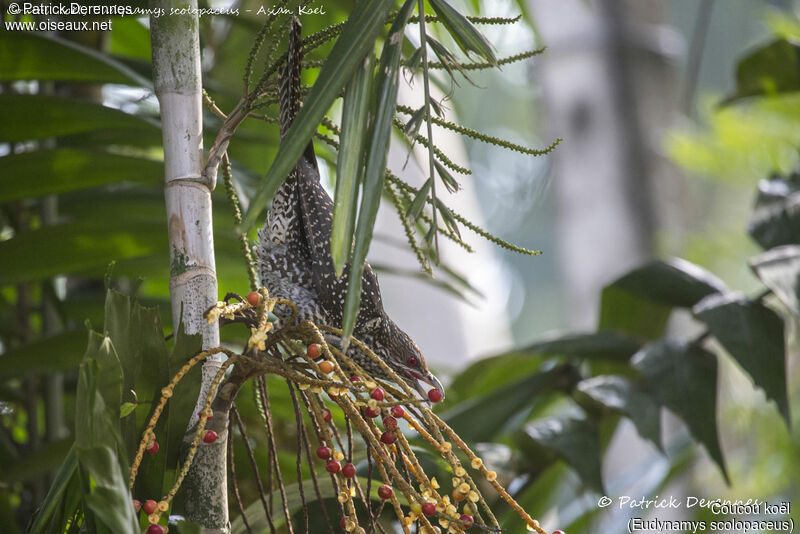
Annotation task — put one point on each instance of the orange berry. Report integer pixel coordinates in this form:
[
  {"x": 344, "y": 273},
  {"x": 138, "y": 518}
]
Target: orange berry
[{"x": 253, "y": 298}]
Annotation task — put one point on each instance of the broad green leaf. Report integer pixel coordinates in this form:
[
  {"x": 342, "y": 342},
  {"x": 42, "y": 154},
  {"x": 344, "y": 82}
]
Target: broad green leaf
[
  {"x": 640, "y": 302},
  {"x": 621, "y": 395},
  {"x": 776, "y": 219},
  {"x": 771, "y": 69},
  {"x": 779, "y": 269},
  {"x": 380, "y": 130},
  {"x": 674, "y": 282},
  {"x": 60, "y": 352},
  {"x": 753, "y": 335},
  {"x": 76, "y": 247},
  {"x": 576, "y": 441},
  {"x": 350, "y": 159},
  {"x": 683, "y": 378},
  {"x": 485, "y": 417},
  {"x": 126, "y": 409},
  {"x": 109, "y": 498},
  {"x": 45, "y": 172},
  {"x": 356, "y": 40},
  {"x": 467, "y": 36},
  {"x": 415, "y": 209},
  {"x": 35, "y": 56},
  {"x": 55, "y": 495},
  {"x": 604, "y": 345},
  {"x": 28, "y": 117}
]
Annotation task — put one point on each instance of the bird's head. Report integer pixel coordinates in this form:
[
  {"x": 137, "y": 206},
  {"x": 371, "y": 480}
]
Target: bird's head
[{"x": 399, "y": 351}]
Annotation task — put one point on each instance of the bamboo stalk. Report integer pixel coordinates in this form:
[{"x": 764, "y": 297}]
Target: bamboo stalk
[{"x": 193, "y": 282}]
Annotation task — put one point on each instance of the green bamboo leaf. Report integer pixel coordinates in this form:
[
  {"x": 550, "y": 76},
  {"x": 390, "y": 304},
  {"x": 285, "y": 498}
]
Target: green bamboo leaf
[
  {"x": 464, "y": 33},
  {"x": 34, "y": 56},
  {"x": 38, "y": 463},
  {"x": 45, "y": 172},
  {"x": 349, "y": 166},
  {"x": 357, "y": 39},
  {"x": 109, "y": 498},
  {"x": 28, "y": 117},
  {"x": 55, "y": 495},
  {"x": 76, "y": 247},
  {"x": 61, "y": 352},
  {"x": 381, "y": 130},
  {"x": 415, "y": 209}
]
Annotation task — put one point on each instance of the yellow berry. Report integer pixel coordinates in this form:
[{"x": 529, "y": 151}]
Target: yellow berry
[
  {"x": 445, "y": 447},
  {"x": 163, "y": 506},
  {"x": 456, "y": 482},
  {"x": 460, "y": 471},
  {"x": 343, "y": 496},
  {"x": 476, "y": 463},
  {"x": 463, "y": 488},
  {"x": 473, "y": 496},
  {"x": 338, "y": 456},
  {"x": 166, "y": 392},
  {"x": 491, "y": 476},
  {"x": 316, "y": 389},
  {"x": 302, "y": 386},
  {"x": 416, "y": 507},
  {"x": 434, "y": 483},
  {"x": 153, "y": 518}
]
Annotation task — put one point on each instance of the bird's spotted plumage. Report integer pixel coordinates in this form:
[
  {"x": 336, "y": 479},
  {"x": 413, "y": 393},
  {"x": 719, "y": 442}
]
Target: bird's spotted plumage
[{"x": 294, "y": 252}]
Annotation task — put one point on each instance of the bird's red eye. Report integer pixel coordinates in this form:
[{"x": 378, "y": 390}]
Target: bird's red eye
[{"x": 411, "y": 361}]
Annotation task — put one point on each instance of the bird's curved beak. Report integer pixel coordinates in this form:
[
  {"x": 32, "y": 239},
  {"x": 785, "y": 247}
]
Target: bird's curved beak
[{"x": 431, "y": 380}]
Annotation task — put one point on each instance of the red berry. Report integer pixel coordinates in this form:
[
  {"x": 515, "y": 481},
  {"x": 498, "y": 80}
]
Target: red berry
[
  {"x": 253, "y": 298},
  {"x": 385, "y": 492},
  {"x": 370, "y": 413},
  {"x": 398, "y": 411},
  {"x": 210, "y": 436},
  {"x": 468, "y": 519},
  {"x": 313, "y": 351},
  {"x": 355, "y": 379},
  {"x": 349, "y": 470},
  {"x": 377, "y": 394},
  {"x": 428, "y": 508},
  {"x": 435, "y": 395},
  {"x": 389, "y": 422},
  {"x": 558, "y": 532},
  {"x": 387, "y": 438},
  {"x": 343, "y": 523},
  {"x": 153, "y": 449},
  {"x": 324, "y": 453},
  {"x": 137, "y": 505},
  {"x": 332, "y": 467},
  {"x": 327, "y": 416},
  {"x": 149, "y": 506},
  {"x": 155, "y": 529}
]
